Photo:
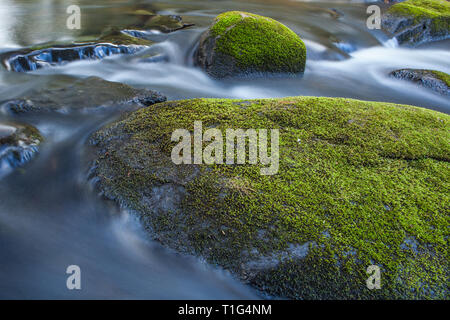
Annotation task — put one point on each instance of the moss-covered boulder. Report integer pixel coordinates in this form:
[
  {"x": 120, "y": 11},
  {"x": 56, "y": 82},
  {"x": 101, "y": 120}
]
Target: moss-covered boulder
[
  {"x": 414, "y": 22},
  {"x": 69, "y": 94},
  {"x": 435, "y": 80},
  {"x": 18, "y": 144},
  {"x": 359, "y": 183},
  {"x": 51, "y": 55},
  {"x": 241, "y": 43}
]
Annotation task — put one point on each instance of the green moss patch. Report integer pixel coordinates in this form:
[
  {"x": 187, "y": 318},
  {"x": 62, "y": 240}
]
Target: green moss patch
[
  {"x": 432, "y": 79},
  {"x": 359, "y": 183},
  {"x": 445, "y": 77},
  {"x": 258, "y": 42},
  {"x": 436, "y": 10}
]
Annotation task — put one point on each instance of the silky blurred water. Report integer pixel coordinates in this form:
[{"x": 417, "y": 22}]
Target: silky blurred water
[{"x": 50, "y": 217}]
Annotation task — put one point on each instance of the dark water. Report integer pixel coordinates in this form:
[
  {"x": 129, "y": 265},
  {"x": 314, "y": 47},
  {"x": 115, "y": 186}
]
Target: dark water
[
  {"x": 49, "y": 215},
  {"x": 51, "y": 218}
]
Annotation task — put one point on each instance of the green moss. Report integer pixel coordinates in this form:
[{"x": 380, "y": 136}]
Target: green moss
[
  {"x": 437, "y": 10},
  {"x": 259, "y": 42},
  {"x": 427, "y": 78},
  {"x": 32, "y": 133},
  {"x": 442, "y": 76},
  {"x": 357, "y": 181}
]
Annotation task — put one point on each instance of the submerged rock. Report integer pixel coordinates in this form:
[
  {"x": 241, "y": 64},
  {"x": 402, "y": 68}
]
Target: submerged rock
[
  {"x": 312, "y": 229},
  {"x": 112, "y": 41},
  {"x": 241, "y": 43},
  {"x": 161, "y": 23},
  {"x": 434, "y": 80},
  {"x": 18, "y": 145},
  {"x": 414, "y": 22},
  {"x": 69, "y": 94},
  {"x": 24, "y": 61}
]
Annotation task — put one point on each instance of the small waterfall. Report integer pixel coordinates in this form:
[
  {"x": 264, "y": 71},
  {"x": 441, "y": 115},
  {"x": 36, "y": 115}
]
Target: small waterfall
[
  {"x": 58, "y": 56},
  {"x": 391, "y": 43},
  {"x": 15, "y": 156}
]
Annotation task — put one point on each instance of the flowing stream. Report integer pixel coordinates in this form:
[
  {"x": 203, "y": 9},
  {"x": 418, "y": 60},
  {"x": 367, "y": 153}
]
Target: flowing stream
[{"x": 50, "y": 216}]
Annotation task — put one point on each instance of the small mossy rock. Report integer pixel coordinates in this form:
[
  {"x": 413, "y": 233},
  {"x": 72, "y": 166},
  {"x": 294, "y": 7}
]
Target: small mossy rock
[
  {"x": 71, "y": 94},
  {"x": 434, "y": 80},
  {"x": 18, "y": 144},
  {"x": 359, "y": 183},
  {"x": 414, "y": 22},
  {"x": 241, "y": 43}
]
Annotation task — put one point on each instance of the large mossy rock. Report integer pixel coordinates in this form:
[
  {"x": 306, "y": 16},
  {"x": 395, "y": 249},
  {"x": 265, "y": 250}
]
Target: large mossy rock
[
  {"x": 241, "y": 43},
  {"x": 359, "y": 184},
  {"x": 435, "y": 80},
  {"x": 414, "y": 22}
]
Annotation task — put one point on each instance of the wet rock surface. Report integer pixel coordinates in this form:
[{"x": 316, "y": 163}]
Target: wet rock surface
[
  {"x": 24, "y": 61},
  {"x": 155, "y": 22},
  {"x": 72, "y": 94},
  {"x": 18, "y": 145},
  {"x": 414, "y": 22},
  {"x": 434, "y": 80}
]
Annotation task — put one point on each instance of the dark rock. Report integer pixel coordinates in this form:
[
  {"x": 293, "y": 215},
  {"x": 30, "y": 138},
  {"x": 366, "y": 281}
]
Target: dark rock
[
  {"x": 69, "y": 94},
  {"x": 160, "y": 23},
  {"x": 414, "y": 22},
  {"x": 149, "y": 97},
  {"x": 24, "y": 61},
  {"x": 434, "y": 80}
]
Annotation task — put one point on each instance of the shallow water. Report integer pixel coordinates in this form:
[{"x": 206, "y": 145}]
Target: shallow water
[{"x": 49, "y": 215}]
